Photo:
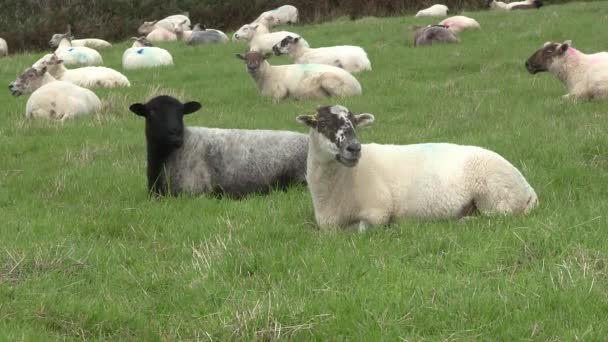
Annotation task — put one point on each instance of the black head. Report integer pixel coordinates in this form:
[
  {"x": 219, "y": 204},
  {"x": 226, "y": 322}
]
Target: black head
[
  {"x": 164, "y": 119},
  {"x": 253, "y": 60},
  {"x": 284, "y": 45},
  {"x": 334, "y": 132},
  {"x": 543, "y": 57}
]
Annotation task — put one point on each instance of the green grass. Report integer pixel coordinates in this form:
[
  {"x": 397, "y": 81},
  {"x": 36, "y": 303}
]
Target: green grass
[{"x": 85, "y": 254}]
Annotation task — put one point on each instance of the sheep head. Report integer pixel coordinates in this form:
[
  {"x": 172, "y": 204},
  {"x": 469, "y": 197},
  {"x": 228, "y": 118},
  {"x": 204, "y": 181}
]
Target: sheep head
[
  {"x": 58, "y": 37},
  {"x": 542, "y": 59},
  {"x": 333, "y": 133},
  {"x": 253, "y": 60},
  {"x": 285, "y": 45},
  {"x": 164, "y": 119},
  {"x": 141, "y": 41},
  {"x": 29, "y": 81},
  {"x": 147, "y": 27},
  {"x": 246, "y": 32}
]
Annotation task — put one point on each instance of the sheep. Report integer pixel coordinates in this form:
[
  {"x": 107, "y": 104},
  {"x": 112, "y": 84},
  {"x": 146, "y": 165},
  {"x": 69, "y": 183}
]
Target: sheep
[
  {"x": 166, "y": 23},
  {"x": 434, "y": 11},
  {"x": 73, "y": 55},
  {"x": 161, "y": 34},
  {"x": 585, "y": 76},
  {"x": 459, "y": 23},
  {"x": 354, "y": 185},
  {"x": 517, "y": 5},
  {"x": 350, "y": 58},
  {"x": 299, "y": 80},
  {"x": 3, "y": 48},
  {"x": 286, "y": 14},
  {"x": 263, "y": 42},
  {"x": 143, "y": 55},
  {"x": 199, "y": 160},
  {"x": 430, "y": 35},
  {"x": 202, "y": 35},
  {"x": 93, "y": 43},
  {"x": 88, "y": 77},
  {"x": 53, "y": 99}
]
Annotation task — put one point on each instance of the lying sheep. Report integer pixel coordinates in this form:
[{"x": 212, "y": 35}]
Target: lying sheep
[
  {"x": 93, "y": 43},
  {"x": 286, "y": 14},
  {"x": 233, "y": 162},
  {"x": 88, "y": 77},
  {"x": 299, "y": 80},
  {"x": 263, "y": 42},
  {"x": 143, "y": 55},
  {"x": 202, "y": 35},
  {"x": 434, "y": 11},
  {"x": 459, "y": 23},
  {"x": 585, "y": 76},
  {"x": 3, "y": 48},
  {"x": 350, "y": 58},
  {"x": 517, "y": 5},
  {"x": 430, "y": 35},
  {"x": 74, "y": 55},
  {"x": 53, "y": 99},
  {"x": 161, "y": 34},
  {"x": 167, "y": 23},
  {"x": 367, "y": 185}
]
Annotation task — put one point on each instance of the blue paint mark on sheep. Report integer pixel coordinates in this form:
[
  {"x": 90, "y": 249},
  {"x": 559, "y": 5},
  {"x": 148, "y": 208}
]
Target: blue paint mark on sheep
[{"x": 140, "y": 51}]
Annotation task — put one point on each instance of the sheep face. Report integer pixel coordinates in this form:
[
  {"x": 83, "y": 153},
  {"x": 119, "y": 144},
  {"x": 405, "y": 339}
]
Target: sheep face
[
  {"x": 254, "y": 60},
  {"x": 246, "y": 32},
  {"x": 141, "y": 42},
  {"x": 29, "y": 81},
  {"x": 285, "y": 45},
  {"x": 333, "y": 128},
  {"x": 542, "y": 59},
  {"x": 57, "y": 38},
  {"x": 147, "y": 27},
  {"x": 165, "y": 119}
]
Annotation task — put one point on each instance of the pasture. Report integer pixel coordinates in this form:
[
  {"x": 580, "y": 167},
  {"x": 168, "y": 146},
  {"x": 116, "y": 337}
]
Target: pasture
[{"x": 86, "y": 254}]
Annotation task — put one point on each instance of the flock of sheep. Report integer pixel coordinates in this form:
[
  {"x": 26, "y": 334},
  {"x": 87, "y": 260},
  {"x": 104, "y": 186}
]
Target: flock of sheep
[{"x": 352, "y": 185}]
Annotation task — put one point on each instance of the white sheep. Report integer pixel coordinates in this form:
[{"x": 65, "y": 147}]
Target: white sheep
[
  {"x": 161, "y": 34},
  {"x": 143, "y": 55},
  {"x": 460, "y": 23},
  {"x": 198, "y": 160},
  {"x": 286, "y": 14},
  {"x": 263, "y": 42},
  {"x": 166, "y": 23},
  {"x": 350, "y": 58},
  {"x": 511, "y": 6},
  {"x": 299, "y": 80},
  {"x": 53, "y": 99},
  {"x": 585, "y": 76},
  {"x": 434, "y": 11},
  {"x": 88, "y": 77},
  {"x": 93, "y": 43},
  {"x": 3, "y": 48},
  {"x": 372, "y": 184},
  {"x": 74, "y": 55}
]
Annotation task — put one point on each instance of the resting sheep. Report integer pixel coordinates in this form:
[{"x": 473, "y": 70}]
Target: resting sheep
[
  {"x": 263, "y": 42},
  {"x": 430, "y": 35},
  {"x": 459, "y": 23},
  {"x": 434, "y": 11},
  {"x": 372, "y": 184},
  {"x": 73, "y": 55},
  {"x": 161, "y": 34},
  {"x": 286, "y": 14},
  {"x": 53, "y": 99},
  {"x": 143, "y": 55},
  {"x": 94, "y": 43},
  {"x": 3, "y": 48},
  {"x": 585, "y": 76},
  {"x": 233, "y": 162},
  {"x": 202, "y": 35},
  {"x": 299, "y": 81},
  {"x": 350, "y": 58},
  {"x": 88, "y": 77},
  {"x": 166, "y": 23},
  {"x": 511, "y": 6}
]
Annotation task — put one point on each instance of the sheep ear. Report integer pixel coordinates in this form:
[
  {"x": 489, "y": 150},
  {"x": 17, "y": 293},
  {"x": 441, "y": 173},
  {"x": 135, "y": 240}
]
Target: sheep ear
[
  {"x": 564, "y": 47},
  {"x": 255, "y": 27},
  {"x": 240, "y": 56},
  {"x": 364, "y": 119},
  {"x": 308, "y": 120},
  {"x": 139, "y": 109},
  {"x": 296, "y": 39},
  {"x": 547, "y": 44},
  {"x": 268, "y": 55},
  {"x": 191, "y": 107}
]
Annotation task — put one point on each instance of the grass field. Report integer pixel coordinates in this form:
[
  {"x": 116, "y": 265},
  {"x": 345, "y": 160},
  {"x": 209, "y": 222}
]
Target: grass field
[{"x": 86, "y": 254}]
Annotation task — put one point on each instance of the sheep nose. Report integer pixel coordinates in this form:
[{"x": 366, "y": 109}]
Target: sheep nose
[{"x": 354, "y": 147}]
